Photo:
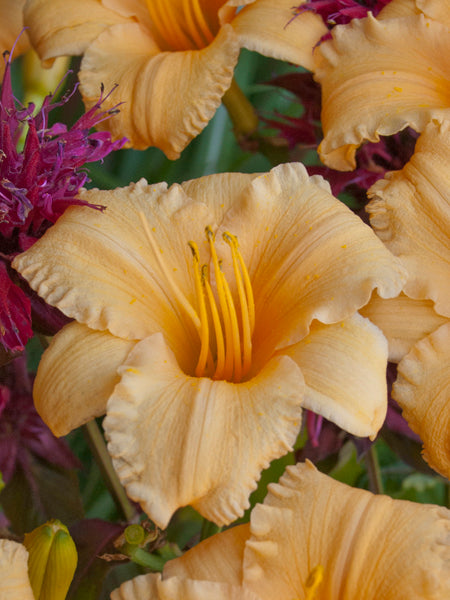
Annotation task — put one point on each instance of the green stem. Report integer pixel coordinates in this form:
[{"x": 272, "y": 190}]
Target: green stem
[
  {"x": 241, "y": 111},
  {"x": 98, "y": 447},
  {"x": 373, "y": 471},
  {"x": 143, "y": 558}
]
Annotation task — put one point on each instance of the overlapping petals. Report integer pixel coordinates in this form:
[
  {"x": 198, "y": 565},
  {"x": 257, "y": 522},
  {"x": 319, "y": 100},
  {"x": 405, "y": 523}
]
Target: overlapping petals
[
  {"x": 210, "y": 426},
  {"x": 422, "y": 390},
  {"x": 172, "y": 69},
  {"x": 311, "y": 263},
  {"x": 14, "y": 581},
  {"x": 398, "y": 77},
  {"x": 410, "y": 211},
  {"x": 417, "y": 198},
  {"x": 403, "y": 320},
  {"x": 354, "y": 545}
]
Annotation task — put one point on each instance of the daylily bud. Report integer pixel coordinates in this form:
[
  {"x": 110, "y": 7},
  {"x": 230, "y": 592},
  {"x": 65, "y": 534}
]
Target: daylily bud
[
  {"x": 39, "y": 81},
  {"x": 52, "y": 560}
]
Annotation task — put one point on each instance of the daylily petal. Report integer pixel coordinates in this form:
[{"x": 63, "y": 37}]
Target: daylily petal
[
  {"x": 422, "y": 390},
  {"x": 354, "y": 354},
  {"x": 218, "y": 558},
  {"x": 399, "y": 8},
  {"x": 11, "y": 26},
  {"x": 243, "y": 426},
  {"x": 289, "y": 226},
  {"x": 129, "y": 8},
  {"x": 151, "y": 587},
  {"x": 417, "y": 199},
  {"x": 398, "y": 77},
  {"x": 100, "y": 268},
  {"x": 403, "y": 321},
  {"x": 66, "y": 28},
  {"x": 272, "y": 29},
  {"x": 152, "y": 115},
  {"x": 219, "y": 191},
  {"x": 76, "y": 376},
  {"x": 370, "y": 546},
  {"x": 14, "y": 581},
  {"x": 436, "y": 10}
]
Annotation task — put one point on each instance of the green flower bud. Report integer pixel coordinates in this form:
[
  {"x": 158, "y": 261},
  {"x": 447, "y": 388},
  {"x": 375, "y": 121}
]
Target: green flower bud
[{"x": 52, "y": 560}]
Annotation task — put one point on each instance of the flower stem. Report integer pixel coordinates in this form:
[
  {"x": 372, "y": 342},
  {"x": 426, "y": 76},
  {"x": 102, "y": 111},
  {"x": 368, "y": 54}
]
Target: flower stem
[
  {"x": 373, "y": 471},
  {"x": 98, "y": 447},
  {"x": 241, "y": 111},
  {"x": 144, "y": 558}
]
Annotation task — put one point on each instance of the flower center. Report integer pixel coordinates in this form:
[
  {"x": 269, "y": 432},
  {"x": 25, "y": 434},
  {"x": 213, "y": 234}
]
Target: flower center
[
  {"x": 180, "y": 25},
  {"x": 225, "y": 329}
]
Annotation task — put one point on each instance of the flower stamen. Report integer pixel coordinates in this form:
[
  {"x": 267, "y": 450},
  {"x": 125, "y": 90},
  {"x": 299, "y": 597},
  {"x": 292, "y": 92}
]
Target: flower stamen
[
  {"x": 182, "y": 300},
  {"x": 245, "y": 299},
  {"x": 166, "y": 23},
  {"x": 220, "y": 343},
  {"x": 180, "y": 30},
  {"x": 204, "y": 327},
  {"x": 228, "y": 367}
]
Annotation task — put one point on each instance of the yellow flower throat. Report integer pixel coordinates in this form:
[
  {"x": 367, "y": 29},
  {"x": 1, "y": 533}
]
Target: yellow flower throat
[
  {"x": 225, "y": 331},
  {"x": 180, "y": 25}
]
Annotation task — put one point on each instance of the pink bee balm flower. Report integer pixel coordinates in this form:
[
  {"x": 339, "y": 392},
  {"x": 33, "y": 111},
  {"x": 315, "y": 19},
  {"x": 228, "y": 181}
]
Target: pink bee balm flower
[{"x": 36, "y": 186}]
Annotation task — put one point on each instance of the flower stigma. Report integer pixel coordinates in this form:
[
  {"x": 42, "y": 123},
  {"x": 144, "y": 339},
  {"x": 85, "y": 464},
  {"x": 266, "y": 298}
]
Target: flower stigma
[{"x": 225, "y": 327}]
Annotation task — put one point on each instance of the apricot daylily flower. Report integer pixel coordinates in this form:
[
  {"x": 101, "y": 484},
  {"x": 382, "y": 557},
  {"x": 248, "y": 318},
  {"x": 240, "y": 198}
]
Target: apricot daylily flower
[
  {"x": 173, "y": 59},
  {"x": 10, "y": 29},
  {"x": 314, "y": 539},
  {"x": 207, "y": 314},
  {"x": 410, "y": 212},
  {"x": 379, "y": 76}
]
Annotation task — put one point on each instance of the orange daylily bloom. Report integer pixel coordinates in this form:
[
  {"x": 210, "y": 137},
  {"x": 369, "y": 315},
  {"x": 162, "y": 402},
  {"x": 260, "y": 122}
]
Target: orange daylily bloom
[
  {"x": 14, "y": 580},
  {"x": 206, "y": 315},
  {"x": 10, "y": 28},
  {"x": 173, "y": 59},
  {"x": 381, "y": 75},
  {"x": 410, "y": 212},
  {"x": 314, "y": 539}
]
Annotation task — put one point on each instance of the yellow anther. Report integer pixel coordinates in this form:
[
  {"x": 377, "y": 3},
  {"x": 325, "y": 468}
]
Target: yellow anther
[{"x": 313, "y": 582}]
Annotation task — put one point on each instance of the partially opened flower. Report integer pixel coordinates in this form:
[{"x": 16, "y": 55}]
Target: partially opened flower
[
  {"x": 42, "y": 568},
  {"x": 173, "y": 59},
  {"x": 37, "y": 183},
  {"x": 381, "y": 75},
  {"x": 207, "y": 314},
  {"x": 314, "y": 539},
  {"x": 410, "y": 211}
]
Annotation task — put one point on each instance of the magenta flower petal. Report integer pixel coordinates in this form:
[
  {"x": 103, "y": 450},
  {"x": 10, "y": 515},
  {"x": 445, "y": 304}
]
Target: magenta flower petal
[
  {"x": 37, "y": 184},
  {"x": 15, "y": 313}
]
